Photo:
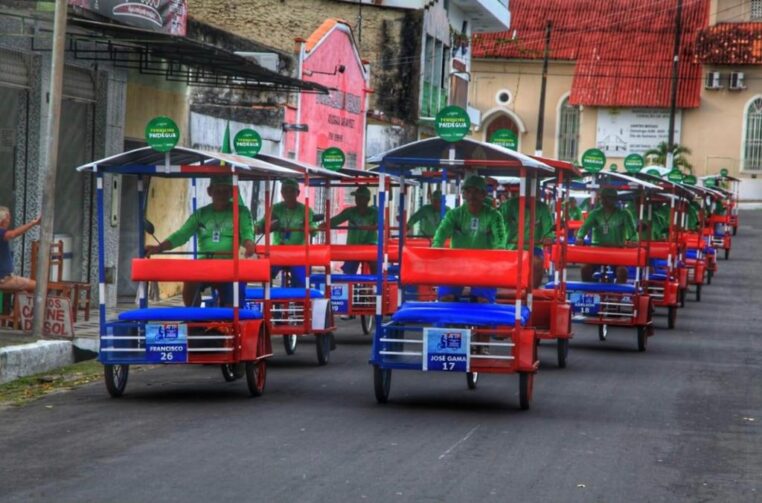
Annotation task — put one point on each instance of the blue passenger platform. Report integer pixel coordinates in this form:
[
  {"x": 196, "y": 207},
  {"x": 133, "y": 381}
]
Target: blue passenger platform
[
  {"x": 188, "y": 314},
  {"x": 580, "y": 286},
  {"x": 462, "y": 313},
  {"x": 282, "y": 293}
]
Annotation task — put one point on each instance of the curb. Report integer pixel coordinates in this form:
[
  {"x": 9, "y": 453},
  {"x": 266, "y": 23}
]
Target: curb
[{"x": 26, "y": 359}]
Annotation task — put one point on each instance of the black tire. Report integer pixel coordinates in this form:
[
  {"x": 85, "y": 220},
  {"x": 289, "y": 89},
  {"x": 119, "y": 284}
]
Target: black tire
[
  {"x": 289, "y": 343},
  {"x": 709, "y": 275},
  {"x": 526, "y": 385},
  {"x": 603, "y": 331},
  {"x": 562, "y": 352},
  {"x": 323, "y": 348},
  {"x": 367, "y": 323},
  {"x": 698, "y": 293},
  {"x": 682, "y": 296},
  {"x": 727, "y": 253},
  {"x": 472, "y": 378},
  {"x": 232, "y": 371},
  {"x": 256, "y": 377},
  {"x": 116, "y": 379},
  {"x": 382, "y": 383},
  {"x": 735, "y": 230},
  {"x": 642, "y": 339},
  {"x": 671, "y": 317}
]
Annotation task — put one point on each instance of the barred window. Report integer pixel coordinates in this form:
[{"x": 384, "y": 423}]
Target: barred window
[
  {"x": 756, "y": 10},
  {"x": 568, "y": 131},
  {"x": 752, "y": 145}
]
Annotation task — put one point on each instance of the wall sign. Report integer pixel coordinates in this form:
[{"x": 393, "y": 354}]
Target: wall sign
[
  {"x": 333, "y": 158},
  {"x": 593, "y": 160},
  {"x": 247, "y": 142},
  {"x": 633, "y": 163},
  {"x": 505, "y": 138},
  {"x": 634, "y": 130}
]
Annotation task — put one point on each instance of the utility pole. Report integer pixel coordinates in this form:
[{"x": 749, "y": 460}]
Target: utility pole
[
  {"x": 675, "y": 79},
  {"x": 359, "y": 25},
  {"x": 49, "y": 175},
  {"x": 543, "y": 85}
]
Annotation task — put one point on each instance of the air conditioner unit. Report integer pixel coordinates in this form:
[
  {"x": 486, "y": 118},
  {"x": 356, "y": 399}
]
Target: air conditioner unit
[
  {"x": 736, "y": 81},
  {"x": 712, "y": 81}
]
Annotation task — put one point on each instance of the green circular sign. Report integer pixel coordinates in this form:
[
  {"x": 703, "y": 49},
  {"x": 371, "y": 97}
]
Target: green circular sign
[
  {"x": 633, "y": 163},
  {"x": 162, "y": 134},
  {"x": 333, "y": 158},
  {"x": 653, "y": 172},
  {"x": 689, "y": 180},
  {"x": 505, "y": 138},
  {"x": 593, "y": 160},
  {"x": 675, "y": 176},
  {"x": 247, "y": 142},
  {"x": 709, "y": 182},
  {"x": 723, "y": 172},
  {"x": 452, "y": 123},
  {"x": 613, "y": 167}
]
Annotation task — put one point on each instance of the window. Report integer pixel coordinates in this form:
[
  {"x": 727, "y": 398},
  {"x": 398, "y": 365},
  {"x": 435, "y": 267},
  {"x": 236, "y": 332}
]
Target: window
[
  {"x": 756, "y": 10},
  {"x": 568, "y": 131},
  {"x": 752, "y": 145}
]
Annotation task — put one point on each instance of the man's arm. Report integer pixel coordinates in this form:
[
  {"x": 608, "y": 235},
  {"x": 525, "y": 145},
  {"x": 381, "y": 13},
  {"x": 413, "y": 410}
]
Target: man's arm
[
  {"x": 586, "y": 226},
  {"x": 177, "y": 238},
  {"x": 498, "y": 230},
  {"x": 340, "y": 218},
  {"x": 444, "y": 231},
  {"x": 20, "y": 230}
]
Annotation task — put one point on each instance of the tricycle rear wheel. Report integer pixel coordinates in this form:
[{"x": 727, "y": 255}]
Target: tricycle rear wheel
[
  {"x": 642, "y": 338},
  {"x": 526, "y": 385},
  {"x": 603, "y": 331},
  {"x": 256, "y": 376},
  {"x": 382, "y": 383},
  {"x": 323, "y": 348},
  {"x": 562, "y": 351},
  {"x": 471, "y": 379},
  {"x": 367, "y": 323},
  {"x": 116, "y": 379},
  {"x": 289, "y": 343},
  {"x": 671, "y": 316},
  {"x": 698, "y": 293}
]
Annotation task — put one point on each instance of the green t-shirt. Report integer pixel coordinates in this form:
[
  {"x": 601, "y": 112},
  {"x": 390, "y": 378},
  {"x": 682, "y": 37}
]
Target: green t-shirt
[
  {"x": 483, "y": 231},
  {"x": 543, "y": 227},
  {"x": 608, "y": 229},
  {"x": 428, "y": 220},
  {"x": 693, "y": 216},
  {"x": 214, "y": 229},
  {"x": 574, "y": 213},
  {"x": 660, "y": 222},
  {"x": 357, "y": 236},
  {"x": 285, "y": 220}
]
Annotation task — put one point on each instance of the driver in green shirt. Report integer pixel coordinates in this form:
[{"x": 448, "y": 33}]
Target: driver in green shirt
[
  {"x": 363, "y": 226},
  {"x": 428, "y": 216},
  {"x": 288, "y": 227},
  {"x": 213, "y": 224},
  {"x": 610, "y": 226},
  {"x": 472, "y": 225}
]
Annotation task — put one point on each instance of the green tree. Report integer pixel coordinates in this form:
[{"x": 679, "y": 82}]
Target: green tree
[{"x": 658, "y": 157}]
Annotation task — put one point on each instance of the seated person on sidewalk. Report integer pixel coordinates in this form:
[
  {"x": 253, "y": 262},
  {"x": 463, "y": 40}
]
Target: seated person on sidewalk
[
  {"x": 611, "y": 226},
  {"x": 8, "y": 281},
  {"x": 427, "y": 217},
  {"x": 213, "y": 224},
  {"x": 287, "y": 218},
  {"x": 543, "y": 233},
  {"x": 363, "y": 226},
  {"x": 472, "y": 225}
]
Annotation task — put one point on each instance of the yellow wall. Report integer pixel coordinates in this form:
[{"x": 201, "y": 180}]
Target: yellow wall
[
  {"x": 713, "y": 132},
  {"x": 167, "y": 201}
]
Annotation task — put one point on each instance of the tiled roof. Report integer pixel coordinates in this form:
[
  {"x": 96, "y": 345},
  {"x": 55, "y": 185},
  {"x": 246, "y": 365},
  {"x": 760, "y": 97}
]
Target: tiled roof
[
  {"x": 730, "y": 44},
  {"x": 623, "y": 49}
]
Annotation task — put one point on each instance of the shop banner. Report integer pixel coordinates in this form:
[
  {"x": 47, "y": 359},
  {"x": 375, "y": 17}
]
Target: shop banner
[{"x": 166, "y": 16}]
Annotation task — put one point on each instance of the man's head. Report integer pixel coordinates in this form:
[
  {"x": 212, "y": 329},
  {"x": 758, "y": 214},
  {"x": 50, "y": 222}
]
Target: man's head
[
  {"x": 572, "y": 203},
  {"x": 289, "y": 189},
  {"x": 5, "y": 217},
  {"x": 362, "y": 196},
  {"x": 474, "y": 191},
  {"x": 220, "y": 190},
  {"x": 608, "y": 198},
  {"x": 436, "y": 199}
]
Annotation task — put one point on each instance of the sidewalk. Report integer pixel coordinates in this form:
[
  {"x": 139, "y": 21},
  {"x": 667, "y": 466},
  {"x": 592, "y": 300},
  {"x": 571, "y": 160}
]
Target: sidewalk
[{"x": 23, "y": 354}]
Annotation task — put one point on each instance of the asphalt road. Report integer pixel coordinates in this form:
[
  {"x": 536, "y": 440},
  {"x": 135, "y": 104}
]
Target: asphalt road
[{"x": 681, "y": 422}]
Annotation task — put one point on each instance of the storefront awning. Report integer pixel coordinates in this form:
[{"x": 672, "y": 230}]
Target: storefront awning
[{"x": 176, "y": 58}]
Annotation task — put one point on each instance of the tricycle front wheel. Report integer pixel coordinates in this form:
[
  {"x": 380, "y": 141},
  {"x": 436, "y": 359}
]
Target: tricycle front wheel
[
  {"x": 526, "y": 387},
  {"x": 116, "y": 379},
  {"x": 471, "y": 379},
  {"x": 382, "y": 383},
  {"x": 562, "y": 352},
  {"x": 232, "y": 371},
  {"x": 367, "y": 323},
  {"x": 256, "y": 376},
  {"x": 289, "y": 344}
]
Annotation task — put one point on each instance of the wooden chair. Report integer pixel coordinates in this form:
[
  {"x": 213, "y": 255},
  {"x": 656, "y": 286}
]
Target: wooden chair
[
  {"x": 77, "y": 292},
  {"x": 9, "y": 310}
]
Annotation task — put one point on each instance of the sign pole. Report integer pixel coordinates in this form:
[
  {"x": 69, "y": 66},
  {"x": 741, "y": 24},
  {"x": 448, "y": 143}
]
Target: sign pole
[
  {"x": 543, "y": 85},
  {"x": 675, "y": 78},
  {"x": 49, "y": 173}
]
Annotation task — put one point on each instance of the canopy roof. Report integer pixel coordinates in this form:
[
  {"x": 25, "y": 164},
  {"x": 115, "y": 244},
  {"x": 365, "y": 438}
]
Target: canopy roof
[
  {"x": 183, "y": 162},
  {"x": 486, "y": 158},
  {"x": 614, "y": 180}
]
